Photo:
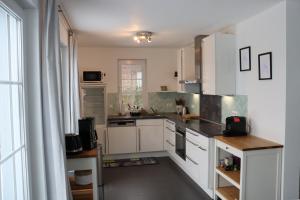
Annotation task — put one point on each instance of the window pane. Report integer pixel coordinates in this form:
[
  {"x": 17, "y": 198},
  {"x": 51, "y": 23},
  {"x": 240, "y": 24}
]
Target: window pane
[
  {"x": 16, "y": 115},
  {"x": 7, "y": 179},
  {"x": 13, "y": 49},
  {"x": 139, "y": 75},
  {"x": 5, "y": 122},
  {"x": 19, "y": 176},
  {"x": 135, "y": 99},
  {"x": 4, "y": 68}
]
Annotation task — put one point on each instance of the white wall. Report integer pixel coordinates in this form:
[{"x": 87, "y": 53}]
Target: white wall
[
  {"x": 161, "y": 64},
  {"x": 266, "y": 99},
  {"x": 292, "y": 146}
]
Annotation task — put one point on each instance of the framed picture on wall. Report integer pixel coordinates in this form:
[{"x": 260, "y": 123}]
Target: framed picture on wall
[
  {"x": 245, "y": 59},
  {"x": 265, "y": 66}
]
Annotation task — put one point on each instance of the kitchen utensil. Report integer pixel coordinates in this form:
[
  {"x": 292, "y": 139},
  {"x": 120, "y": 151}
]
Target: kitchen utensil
[{"x": 73, "y": 143}]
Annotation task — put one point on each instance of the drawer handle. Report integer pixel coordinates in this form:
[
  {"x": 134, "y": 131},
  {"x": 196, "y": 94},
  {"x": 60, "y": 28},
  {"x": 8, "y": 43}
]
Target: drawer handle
[
  {"x": 170, "y": 129},
  {"x": 203, "y": 149},
  {"x": 192, "y": 142},
  {"x": 170, "y": 143},
  {"x": 192, "y": 160},
  {"x": 170, "y": 122},
  {"x": 193, "y": 134}
]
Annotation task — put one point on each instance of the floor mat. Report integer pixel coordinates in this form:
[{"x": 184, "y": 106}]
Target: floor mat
[{"x": 129, "y": 162}]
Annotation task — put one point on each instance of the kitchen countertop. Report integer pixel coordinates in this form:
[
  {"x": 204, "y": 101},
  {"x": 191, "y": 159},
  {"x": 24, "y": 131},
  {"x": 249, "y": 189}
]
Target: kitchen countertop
[
  {"x": 248, "y": 143},
  {"x": 201, "y": 126}
]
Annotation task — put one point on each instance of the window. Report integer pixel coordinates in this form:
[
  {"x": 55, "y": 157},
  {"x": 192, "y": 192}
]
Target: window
[
  {"x": 132, "y": 82},
  {"x": 13, "y": 155}
]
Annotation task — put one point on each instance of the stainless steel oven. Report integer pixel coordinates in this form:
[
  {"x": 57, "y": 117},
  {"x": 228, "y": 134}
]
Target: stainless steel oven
[{"x": 180, "y": 142}]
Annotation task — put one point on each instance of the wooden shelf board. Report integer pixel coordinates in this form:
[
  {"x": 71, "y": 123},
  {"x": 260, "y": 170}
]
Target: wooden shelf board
[
  {"x": 82, "y": 195},
  {"x": 231, "y": 176},
  {"x": 84, "y": 154},
  {"x": 228, "y": 193},
  {"x": 248, "y": 143},
  {"x": 81, "y": 192}
]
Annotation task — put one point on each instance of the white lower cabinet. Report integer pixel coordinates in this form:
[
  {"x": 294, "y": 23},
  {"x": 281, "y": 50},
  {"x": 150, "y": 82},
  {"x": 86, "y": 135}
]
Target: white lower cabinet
[
  {"x": 146, "y": 136},
  {"x": 198, "y": 165},
  {"x": 150, "y": 138},
  {"x": 169, "y": 137},
  {"x": 258, "y": 175},
  {"x": 121, "y": 140}
]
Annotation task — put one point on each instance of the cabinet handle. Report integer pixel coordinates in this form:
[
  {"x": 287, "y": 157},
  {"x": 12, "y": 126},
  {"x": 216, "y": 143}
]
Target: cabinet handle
[
  {"x": 104, "y": 135},
  {"x": 170, "y": 143},
  {"x": 193, "y": 134},
  {"x": 192, "y": 142},
  {"x": 107, "y": 136},
  {"x": 203, "y": 149},
  {"x": 139, "y": 135},
  {"x": 170, "y": 122},
  {"x": 170, "y": 129},
  {"x": 192, "y": 160}
]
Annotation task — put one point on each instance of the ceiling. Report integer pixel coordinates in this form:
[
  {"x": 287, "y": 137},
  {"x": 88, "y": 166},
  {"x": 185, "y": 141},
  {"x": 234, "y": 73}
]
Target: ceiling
[{"x": 113, "y": 23}]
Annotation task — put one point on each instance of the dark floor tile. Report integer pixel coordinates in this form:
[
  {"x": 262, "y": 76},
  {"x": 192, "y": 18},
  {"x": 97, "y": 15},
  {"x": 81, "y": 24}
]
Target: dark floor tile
[{"x": 164, "y": 181}]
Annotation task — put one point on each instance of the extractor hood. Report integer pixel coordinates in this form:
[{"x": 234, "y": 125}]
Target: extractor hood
[{"x": 198, "y": 62}]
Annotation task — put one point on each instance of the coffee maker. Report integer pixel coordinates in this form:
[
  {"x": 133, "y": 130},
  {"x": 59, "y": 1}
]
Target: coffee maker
[{"x": 87, "y": 133}]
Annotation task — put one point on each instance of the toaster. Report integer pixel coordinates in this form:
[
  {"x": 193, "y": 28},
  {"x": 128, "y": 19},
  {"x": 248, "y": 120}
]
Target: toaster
[{"x": 235, "y": 126}]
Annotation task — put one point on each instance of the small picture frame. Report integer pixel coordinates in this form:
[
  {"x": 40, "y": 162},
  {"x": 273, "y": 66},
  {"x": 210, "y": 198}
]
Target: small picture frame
[
  {"x": 245, "y": 59},
  {"x": 265, "y": 66}
]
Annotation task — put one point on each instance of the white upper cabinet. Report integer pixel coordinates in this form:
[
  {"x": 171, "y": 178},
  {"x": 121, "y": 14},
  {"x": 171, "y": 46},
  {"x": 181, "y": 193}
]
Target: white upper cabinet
[
  {"x": 188, "y": 69},
  {"x": 219, "y": 63},
  {"x": 185, "y": 64}
]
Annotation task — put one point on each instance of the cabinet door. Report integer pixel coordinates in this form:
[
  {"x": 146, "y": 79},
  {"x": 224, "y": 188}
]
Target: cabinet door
[
  {"x": 188, "y": 68},
  {"x": 166, "y": 138},
  {"x": 208, "y": 60},
  {"x": 121, "y": 140},
  {"x": 179, "y": 69},
  {"x": 102, "y": 137},
  {"x": 197, "y": 162},
  {"x": 150, "y": 138},
  {"x": 203, "y": 167}
]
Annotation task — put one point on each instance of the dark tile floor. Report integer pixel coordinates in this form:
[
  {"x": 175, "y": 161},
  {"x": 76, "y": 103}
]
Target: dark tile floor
[{"x": 164, "y": 181}]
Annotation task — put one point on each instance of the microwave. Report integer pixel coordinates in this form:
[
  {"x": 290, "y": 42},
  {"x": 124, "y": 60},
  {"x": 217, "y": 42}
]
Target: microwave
[{"x": 92, "y": 76}]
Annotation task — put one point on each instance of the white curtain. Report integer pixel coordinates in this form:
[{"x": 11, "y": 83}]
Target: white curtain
[
  {"x": 73, "y": 81},
  {"x": 52, "y": 106}
]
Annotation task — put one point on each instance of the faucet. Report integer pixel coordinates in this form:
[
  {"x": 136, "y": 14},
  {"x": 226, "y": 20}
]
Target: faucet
[{"x": 153, "y": 110}]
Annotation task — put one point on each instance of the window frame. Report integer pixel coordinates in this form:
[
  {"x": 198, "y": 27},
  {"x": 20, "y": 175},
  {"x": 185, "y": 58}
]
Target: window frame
[
  {"x": 13, "y": 10},
  {"x": 143, "y": 62}
]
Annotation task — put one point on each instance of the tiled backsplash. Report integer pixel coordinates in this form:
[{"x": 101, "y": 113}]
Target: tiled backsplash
[
  {"x": 234, "y": 105},
  {"x": 161, "y": 101},
  {"x": 165, "y": 102}
]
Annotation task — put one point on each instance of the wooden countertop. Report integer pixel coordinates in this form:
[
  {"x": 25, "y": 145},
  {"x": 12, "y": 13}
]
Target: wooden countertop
[
  {"x": 248, "y": 143},
  {"x": 84, "y": 154}
]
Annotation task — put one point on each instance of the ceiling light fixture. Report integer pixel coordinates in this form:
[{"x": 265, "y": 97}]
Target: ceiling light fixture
[{"x": 143, "y": 37}]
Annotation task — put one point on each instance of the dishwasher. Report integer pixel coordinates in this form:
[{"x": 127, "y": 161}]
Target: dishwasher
[{"x": 121, "y": 136}]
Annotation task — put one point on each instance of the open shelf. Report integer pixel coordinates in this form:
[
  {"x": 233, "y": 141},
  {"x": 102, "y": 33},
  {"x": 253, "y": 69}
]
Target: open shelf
[
  {"x": 228, "y": 193},
  {"x": 81, "y": 192},
  {"x": 232, "y": 176}
]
